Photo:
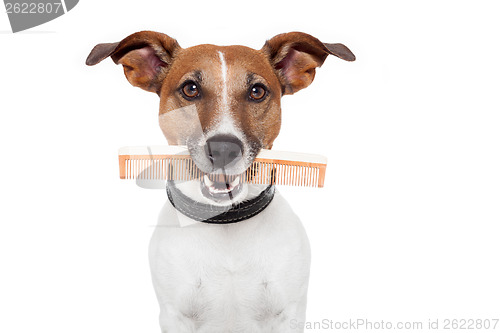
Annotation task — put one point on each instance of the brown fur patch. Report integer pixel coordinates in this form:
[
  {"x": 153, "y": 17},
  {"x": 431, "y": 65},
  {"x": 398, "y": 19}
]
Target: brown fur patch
[{"x": 260, "y": 121}]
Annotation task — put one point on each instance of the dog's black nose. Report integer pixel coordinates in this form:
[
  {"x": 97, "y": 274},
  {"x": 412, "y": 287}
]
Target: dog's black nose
[{"x": 221, "y": 150}]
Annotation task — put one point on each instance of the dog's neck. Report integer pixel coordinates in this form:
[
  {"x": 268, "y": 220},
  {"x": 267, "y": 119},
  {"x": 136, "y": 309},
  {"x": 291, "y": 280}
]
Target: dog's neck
[{"x": 215, "y": 214}]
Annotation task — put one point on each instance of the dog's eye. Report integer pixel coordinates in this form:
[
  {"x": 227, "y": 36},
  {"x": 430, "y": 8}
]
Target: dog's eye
[
  {"x": 190, "y": 90},
  {"x": 258, "y": 92}
]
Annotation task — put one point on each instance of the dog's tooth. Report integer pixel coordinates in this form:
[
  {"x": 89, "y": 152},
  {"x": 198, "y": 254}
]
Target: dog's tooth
[
  {"x": 235, "y": 182},
  {"x": 207, "y": 180}
]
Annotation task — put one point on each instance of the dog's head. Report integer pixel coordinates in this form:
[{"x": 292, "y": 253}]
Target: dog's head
[{"x": 222, "y": 102}]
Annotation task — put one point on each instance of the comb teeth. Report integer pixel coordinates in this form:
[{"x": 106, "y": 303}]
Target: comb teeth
[{"x": 270, "y": 167}]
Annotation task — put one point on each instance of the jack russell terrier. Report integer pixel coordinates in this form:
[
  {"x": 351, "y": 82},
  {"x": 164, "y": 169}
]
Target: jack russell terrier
[{"x": 247, "y": 269}]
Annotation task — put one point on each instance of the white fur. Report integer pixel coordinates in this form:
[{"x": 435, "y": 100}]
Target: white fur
[
  {"x": 225, "y": 93},
  {"x": 225, "y": 124},
  {"x": 247, "y": 277}
]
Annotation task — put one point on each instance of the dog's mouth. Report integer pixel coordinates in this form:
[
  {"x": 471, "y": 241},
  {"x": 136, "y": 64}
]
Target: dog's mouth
[
  {"x": 224, "y": 176},
  {"x": 221, "y": 187}
]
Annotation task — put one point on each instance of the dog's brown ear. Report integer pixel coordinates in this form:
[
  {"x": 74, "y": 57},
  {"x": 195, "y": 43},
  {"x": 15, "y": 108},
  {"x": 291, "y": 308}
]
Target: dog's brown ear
[
  {"x": 145, "y": 57},
  {"x": 296, "y": 55}
]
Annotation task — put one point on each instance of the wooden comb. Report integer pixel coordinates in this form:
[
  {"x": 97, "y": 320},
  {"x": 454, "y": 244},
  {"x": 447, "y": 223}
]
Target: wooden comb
[{"x": 269, "y": 167}]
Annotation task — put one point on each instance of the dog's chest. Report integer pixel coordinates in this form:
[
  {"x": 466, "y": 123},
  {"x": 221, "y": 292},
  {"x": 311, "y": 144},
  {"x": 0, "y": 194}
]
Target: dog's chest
[{"x": 243, "y": 274}]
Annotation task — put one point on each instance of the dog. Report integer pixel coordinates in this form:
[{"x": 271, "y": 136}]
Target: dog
[{"x": 247, "y": 271}]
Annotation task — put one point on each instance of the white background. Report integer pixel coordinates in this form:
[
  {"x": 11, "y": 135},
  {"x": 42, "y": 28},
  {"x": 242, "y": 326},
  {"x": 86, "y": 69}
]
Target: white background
[{"x": 406, "y": 228}]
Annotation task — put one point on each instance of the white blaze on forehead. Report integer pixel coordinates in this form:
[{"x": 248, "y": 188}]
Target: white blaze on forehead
[
  {"x": 225, "y": 97},
  {"x": 225, "y": 123}
]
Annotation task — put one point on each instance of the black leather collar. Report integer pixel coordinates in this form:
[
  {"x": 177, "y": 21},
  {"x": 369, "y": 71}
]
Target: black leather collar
[{"x": 219, "y": 215}]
